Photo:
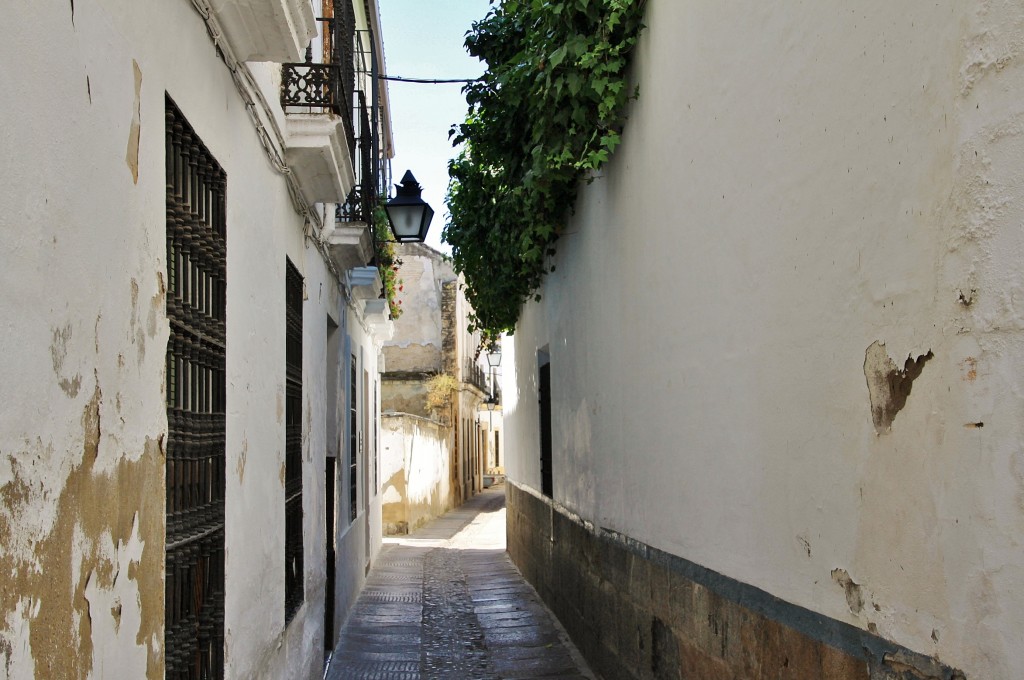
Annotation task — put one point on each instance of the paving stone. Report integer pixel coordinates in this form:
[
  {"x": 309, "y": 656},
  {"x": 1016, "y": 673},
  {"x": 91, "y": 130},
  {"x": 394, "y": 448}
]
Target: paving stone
[{"x": 446, "y": 603}]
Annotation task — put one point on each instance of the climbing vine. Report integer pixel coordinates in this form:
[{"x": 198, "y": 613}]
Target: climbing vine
[
  {"x": 548, "y": 111},
  {"x": 387, "y": 261}
]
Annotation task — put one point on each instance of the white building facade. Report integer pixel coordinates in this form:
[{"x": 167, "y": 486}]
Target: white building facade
[
  {"x": 710, "y": 422},
  {"x": 187, "y": 486}
]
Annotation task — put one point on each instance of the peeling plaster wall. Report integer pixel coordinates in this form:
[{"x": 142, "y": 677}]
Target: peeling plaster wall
[
  {"x": 414, "y": 353},
  {"x": 406, "y": 396},
  {"x": 416, "y": 345},
  {"x": 801, "y": 190},
  {"x": 83, "y": 426},
  {"x": 415, "y": 471},
  {"x": 82, "y": 287}
]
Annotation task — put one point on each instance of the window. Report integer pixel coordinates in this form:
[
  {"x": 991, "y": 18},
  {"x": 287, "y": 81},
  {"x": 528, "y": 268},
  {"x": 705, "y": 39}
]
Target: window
[
  {"x": 353, "y": 441},
  {"x": 331, "y": 437},
  {"x": 546, "y": 478},
  {"x": 293, "y": 571},
  {"x": 196, "y": 305},
  {"x": 330, "y": 465},
  {"x": 375, "y": 453}
]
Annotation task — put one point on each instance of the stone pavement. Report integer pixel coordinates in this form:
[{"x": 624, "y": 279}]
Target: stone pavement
[{"x": 447, "y": 603}]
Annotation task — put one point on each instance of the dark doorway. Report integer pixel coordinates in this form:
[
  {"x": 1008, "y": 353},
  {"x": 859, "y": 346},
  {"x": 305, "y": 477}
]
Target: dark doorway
[
  {"x": 547, "y": 486},
  {"x": 330, "y": 530}
]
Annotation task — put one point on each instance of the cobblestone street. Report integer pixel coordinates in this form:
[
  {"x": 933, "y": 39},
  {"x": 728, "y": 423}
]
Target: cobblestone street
[{"x": 446, "y": 602}]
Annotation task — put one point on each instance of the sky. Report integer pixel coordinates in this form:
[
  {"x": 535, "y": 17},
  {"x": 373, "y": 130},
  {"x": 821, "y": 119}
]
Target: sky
[{"x": 424, "y": 39}]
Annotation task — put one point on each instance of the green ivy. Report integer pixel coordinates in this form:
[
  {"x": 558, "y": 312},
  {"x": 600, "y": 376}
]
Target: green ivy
[
  {"x": 547, "y": 113},
  {"x": 387, "y": 262}
]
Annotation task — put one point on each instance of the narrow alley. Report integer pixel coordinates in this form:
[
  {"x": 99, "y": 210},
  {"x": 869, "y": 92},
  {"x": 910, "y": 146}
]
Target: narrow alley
[
  {"x": 486, "y": 339},
  {"x": 446, "y": 602}
]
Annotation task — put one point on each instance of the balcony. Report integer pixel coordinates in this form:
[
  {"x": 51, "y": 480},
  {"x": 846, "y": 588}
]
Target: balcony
[
  {"x": 350, "y": 245},
  {"x": 317, "y": 99},
  {"x": 360, "y": 203},
  {"x": 319, "y": 157},
  {"x": 266, "y": 30},
  {"x": 320, "y": 89},
  {"x": 351, "y": 242},
  {"x": 365, "y": 283},
  {"x": 355, "y": 220},
  {"x": 475, "y": 375},
  {"x": 333, "y": 115}
]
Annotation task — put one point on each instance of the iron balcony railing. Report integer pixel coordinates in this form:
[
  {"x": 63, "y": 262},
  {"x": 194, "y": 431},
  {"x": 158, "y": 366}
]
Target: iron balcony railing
[
  {"x": 475, "y": 375},
  {"x": 363, "y": 198},
  {"x": 372, "y": 175}
]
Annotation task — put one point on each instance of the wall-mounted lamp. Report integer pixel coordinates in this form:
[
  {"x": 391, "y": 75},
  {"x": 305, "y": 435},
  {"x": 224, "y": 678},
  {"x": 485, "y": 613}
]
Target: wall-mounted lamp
[
  {"x": 409, "y": 214},
  {"x": 493, "y": 360}
]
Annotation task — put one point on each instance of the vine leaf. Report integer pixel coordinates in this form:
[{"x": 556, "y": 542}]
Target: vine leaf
[{"x": 557, "y": 57}]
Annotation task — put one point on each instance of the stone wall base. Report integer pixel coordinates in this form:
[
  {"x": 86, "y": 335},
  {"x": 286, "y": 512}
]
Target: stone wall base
[{"x": 638, "y": 613}]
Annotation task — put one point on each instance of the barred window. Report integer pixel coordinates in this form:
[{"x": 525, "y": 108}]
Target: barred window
[
  {"x": 353, "y": 441},
  {"x": 196, "y": 305},
  {"x": 293, "y": 578}
]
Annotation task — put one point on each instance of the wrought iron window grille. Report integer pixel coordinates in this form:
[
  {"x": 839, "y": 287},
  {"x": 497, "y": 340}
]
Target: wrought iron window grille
[
  {"x": 196, "y": 404},
  {"x": 293, "y": 539},
  {"x": 353, "y": 441}
]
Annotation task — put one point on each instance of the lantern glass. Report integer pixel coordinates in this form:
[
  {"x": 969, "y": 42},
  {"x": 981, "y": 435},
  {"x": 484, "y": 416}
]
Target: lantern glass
[{"x": 405, "y": 220}]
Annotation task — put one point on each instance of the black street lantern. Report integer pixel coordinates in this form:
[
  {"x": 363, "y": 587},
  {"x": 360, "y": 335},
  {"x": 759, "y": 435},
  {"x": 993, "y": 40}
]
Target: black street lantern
[{"x": 409, "y": 214}]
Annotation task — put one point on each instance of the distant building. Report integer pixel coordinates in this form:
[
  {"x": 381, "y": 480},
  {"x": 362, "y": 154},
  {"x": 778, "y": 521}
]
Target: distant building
[
  {"x": 766, "y": 420},
  {"x": 189, "y": 479},
  {"x": 434, "y": 446}
]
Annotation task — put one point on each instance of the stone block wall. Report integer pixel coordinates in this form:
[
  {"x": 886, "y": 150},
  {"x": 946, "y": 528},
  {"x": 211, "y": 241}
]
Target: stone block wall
[
  {"x": 449, "y": 327},
  {"x": 638, "y": 613}
]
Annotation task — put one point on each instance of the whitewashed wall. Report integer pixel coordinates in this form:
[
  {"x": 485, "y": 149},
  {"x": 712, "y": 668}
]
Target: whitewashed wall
[
  {"x": 416, "y": 468},
  {"x": 797, "y": 183}
]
